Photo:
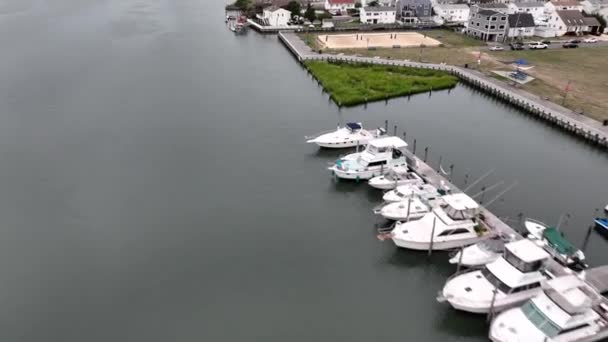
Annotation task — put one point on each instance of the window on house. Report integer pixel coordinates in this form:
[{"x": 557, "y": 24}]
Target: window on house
[
  {"x": 486, "y": 26},
  {"x": 501, "y": 26},
  {"x": 494, "y": 19},
  {"x": 503, "y": 18},
  {"x": 492, "y": 27}
]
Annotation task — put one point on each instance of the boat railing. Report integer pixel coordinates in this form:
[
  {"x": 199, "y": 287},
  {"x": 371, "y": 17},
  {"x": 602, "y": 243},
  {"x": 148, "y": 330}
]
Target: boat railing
[
  {"x": 385, "y": 229},
  {"x": 314, "y": 136}
]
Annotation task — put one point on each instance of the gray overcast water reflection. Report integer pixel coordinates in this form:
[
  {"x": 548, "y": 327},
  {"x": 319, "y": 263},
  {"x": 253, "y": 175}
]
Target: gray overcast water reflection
[{"x": 156, "y": 186}]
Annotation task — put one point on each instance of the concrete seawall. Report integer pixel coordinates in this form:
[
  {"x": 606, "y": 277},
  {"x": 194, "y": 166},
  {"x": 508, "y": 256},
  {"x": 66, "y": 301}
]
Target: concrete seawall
[{"x": 576, "y": 124}]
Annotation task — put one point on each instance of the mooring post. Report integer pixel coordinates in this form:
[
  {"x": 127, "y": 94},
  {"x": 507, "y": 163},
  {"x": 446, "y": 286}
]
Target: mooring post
[
  {"x": 589, "y": 232},
  {"x": 386, "y": 126},
  {"x": 460, "y": 260},
  {"x": 426, "y": 153},
  {"x": 491, "y": 312},
  {"x": 414, "y": 146},
  {"x": 404, "y": 135},
  {"x": 466, "y": 179},
  {"x": 432, "y": 236},
  {"x": 439, "y": 167},
  {"x": 483, "y": 192},
  {"x": 409, "y": 201},
  {"x": 451, "y": 172},
  {"x": 395, "y": 131}
]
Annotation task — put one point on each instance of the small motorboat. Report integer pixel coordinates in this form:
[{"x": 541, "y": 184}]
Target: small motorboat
[
  {"x": 411, "y": 209},
  {"x": 395, "y": 177},
  {"x": 481, "y": 253},
  {"x": 348, "y": 136},
  {"x": 554, "y": 242},
  {"x": 601, "y": 225},
  {"x": 403, "y": 192}
]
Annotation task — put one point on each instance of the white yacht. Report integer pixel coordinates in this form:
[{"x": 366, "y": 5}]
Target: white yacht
[
  {"x": 411, "y": 209},
  {"x": 403, "y": 192},
  {"x": 350, "y": 135},
  {"x": 552, "y": 240},
  {"x": 379, "y": 155},
  {"x": 395, "y": 177},
  {"x": 564, "y": 312},
  {"x": 507, "y": 282},
  {"x": 481, "y": 253},
  {"x": 451, "y": 225}
]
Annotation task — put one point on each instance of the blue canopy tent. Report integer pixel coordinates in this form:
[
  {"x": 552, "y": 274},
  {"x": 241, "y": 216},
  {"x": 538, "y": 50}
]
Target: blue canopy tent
[{"x": 354, "y": 126}]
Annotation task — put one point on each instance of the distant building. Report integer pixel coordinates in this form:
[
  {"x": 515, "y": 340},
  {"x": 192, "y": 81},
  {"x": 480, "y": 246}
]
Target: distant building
[
  {"x": 571, "y": 22},
  {"x": 535, "y": 8},
  {"x": 487, "y": 25},
  {"x": 563, "y": 5},
  {"x": 520, "y": 25},
  {"x": 411, "y": 11},
  {"x": 596, "y": 7},
  {"x": 491, "y": 6},
  {"x": 339, "y": 5},
  {"x": 452, "y": 13},
  {"x": 378, "y": 15},
  {"x": 275, "y": 16}
]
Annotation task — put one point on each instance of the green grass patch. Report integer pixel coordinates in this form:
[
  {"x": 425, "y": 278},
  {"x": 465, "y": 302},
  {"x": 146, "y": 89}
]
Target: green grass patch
[{"x": 353, "y": 84}]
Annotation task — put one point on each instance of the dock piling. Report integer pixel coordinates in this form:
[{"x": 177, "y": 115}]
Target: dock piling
[
  {"x": 432, "y": 236},
  {"x": 426, "y": 152}
]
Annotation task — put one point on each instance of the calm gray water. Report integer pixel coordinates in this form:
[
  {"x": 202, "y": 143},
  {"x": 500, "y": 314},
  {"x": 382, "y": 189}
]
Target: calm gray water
[{"x": 155, "y": 185}]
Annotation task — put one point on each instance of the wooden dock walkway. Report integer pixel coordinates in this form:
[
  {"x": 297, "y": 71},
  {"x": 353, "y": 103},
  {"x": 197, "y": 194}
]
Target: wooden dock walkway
[{"x": 591, "y": 130}]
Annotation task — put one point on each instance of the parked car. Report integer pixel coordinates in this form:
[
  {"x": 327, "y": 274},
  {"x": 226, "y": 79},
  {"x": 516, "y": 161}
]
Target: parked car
[
  {"x": 537, "y": 46},
  {"x": 590, "y": 40},
  {"x": 546, "y": 41},
  {"x": 574, "y": 41},
  {"x": 496, "y": 48},
  {"x": 516, "y": 46},
  {"x": 569, "y": 45}
]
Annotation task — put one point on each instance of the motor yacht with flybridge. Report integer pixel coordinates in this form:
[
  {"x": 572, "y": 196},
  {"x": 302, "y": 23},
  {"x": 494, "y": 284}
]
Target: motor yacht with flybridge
[
  {"x": 453, "y": 224},
  {"x": 507, "y": 282},
  {"x": 350, "y": 135},
  {"x": 567, "y": 310},
  {"x": 554, "y": 242},
  {"x": 379, "y": 155},
  {"x": 395, "y": 177}
]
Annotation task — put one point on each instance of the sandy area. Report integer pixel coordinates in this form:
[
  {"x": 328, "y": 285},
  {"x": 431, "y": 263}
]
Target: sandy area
[{"x": 365, "y": 40}]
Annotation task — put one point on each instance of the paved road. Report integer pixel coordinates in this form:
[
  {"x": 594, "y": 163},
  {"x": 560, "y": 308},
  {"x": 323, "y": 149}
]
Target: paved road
[{"x": 558, "y": 45}]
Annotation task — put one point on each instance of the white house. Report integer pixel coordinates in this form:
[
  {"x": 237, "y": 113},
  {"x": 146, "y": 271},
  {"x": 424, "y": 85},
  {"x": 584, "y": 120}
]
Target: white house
[
  {"x": 339, "y": 5},
  {"x": 452, "y": 13},
  {"x": 521, "y": 25},
  {"x": 275, "y": 16},
  {"x": 563, "y": 5},
  {"x": 535, "y": 8},
  {"x": 571, "y": 22},
  {"x": 378, "y": 15}
]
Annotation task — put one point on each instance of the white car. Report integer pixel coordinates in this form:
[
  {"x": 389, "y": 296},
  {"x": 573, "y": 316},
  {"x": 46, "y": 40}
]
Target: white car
[
  {"x": 537, "y": 45},
  {"x": 590, "y": 40},
  {"x": 496, "y": 48}
]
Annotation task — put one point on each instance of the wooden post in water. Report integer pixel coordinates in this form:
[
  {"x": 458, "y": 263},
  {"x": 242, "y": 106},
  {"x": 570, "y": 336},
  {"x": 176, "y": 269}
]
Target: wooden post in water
[
  {"x": 395, "y": 131},
  {"x": 414, "y": 146},
  {"x": 426, "y": 153},
  {"x": 439, "y": 167},
  {"x": 460, "y": 260},
  {"x": 386, "y": 126},
  {"x": 584, "y": 247},
  {"x": 409, "y": 201},
  {"x": 404, "y": 135},
  {"x": 432, "y": 236},
  {"x": 466, "y": 179},
  {"x": 483, "y": 192},
  {"x": 451, "y": 172},
  {"x": 491, "y": 311}
]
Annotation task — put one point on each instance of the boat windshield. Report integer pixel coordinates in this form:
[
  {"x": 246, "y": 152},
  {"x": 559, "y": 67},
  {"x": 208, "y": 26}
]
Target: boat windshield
[
  {"x": 492, "y": 279},
  {"x": 539, "y": 319}
]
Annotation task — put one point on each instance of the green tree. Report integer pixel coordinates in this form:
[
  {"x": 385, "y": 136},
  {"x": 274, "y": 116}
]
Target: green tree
[
  {"x": 294, "y": 8},
  {"x": 243, "y": 5},
  {"x": 310, "y": 13},
  {"x": 374, "y": 4}
]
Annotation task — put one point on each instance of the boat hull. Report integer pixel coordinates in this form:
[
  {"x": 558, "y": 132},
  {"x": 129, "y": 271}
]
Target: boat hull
[{"x": 437, "y": 245}]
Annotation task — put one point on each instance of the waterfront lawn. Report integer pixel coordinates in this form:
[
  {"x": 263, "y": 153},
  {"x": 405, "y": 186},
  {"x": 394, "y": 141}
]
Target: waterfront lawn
[
  {"x": 353, "y": 84},
  {"x": 583, "y": 67}
]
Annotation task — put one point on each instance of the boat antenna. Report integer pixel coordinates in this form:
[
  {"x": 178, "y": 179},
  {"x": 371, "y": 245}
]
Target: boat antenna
[
  {"x": 488, "y": 189},
  {"x": 501, "y": 193},
  {"x": 478, "y": 180},
  {"x": 561, "y": 219}
]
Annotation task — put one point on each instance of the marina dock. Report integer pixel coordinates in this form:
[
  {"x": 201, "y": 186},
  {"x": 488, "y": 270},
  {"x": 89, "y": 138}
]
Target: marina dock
[{"x": 577, "y": 124}]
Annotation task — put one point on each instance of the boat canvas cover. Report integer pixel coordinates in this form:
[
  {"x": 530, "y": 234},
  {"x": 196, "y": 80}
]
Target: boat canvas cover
[
  {"x": 353, "y": 126},
  {"x": 555, "y": 238}
]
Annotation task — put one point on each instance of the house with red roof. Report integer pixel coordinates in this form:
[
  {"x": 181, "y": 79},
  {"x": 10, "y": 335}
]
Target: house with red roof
[{"x": 339, "y": 5}]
